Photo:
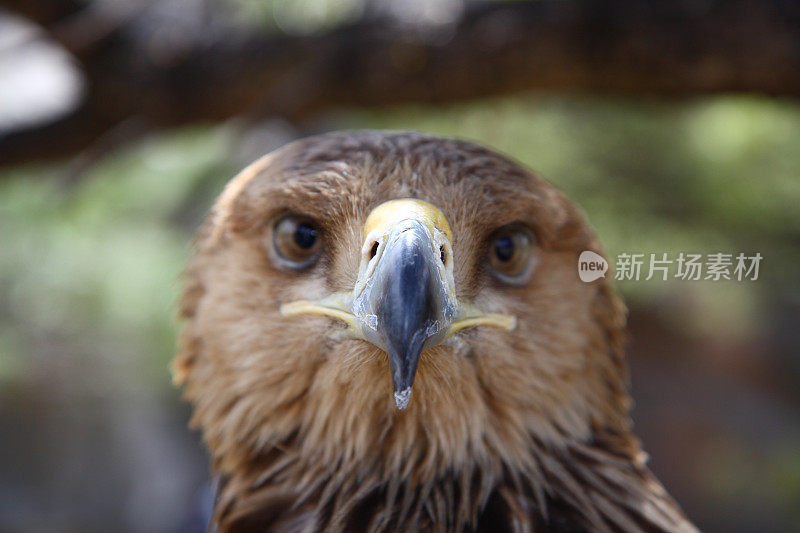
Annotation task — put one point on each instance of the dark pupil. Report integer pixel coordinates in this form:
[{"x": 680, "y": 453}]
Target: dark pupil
[
  {"x": 305, "y": 236},
  {"x": 504, "y": 248}
]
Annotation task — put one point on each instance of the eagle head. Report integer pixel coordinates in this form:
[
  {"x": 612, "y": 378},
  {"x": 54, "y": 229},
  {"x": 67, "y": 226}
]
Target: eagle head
[{"x": 387, "y": 331}]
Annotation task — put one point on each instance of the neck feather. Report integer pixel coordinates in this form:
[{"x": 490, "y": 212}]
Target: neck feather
[{"x": 595, "y": 485}]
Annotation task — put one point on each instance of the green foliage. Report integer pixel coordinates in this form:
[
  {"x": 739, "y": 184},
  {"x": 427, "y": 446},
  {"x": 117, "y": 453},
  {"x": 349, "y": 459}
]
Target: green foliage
[{"x": 97, "y": 265}]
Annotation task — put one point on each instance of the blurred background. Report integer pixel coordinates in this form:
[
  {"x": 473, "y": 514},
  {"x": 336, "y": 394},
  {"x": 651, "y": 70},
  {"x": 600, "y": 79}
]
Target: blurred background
[{"x": 676, "y": 126}]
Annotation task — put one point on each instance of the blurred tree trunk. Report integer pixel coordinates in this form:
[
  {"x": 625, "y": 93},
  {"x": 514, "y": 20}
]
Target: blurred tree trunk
[{"x": 165, "y": 78}]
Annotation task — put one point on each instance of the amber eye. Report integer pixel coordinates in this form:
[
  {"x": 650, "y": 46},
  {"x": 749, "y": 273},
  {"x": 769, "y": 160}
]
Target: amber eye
[
  {"x": 512, "y": 254},
  {"x": 296, "y": 241}
]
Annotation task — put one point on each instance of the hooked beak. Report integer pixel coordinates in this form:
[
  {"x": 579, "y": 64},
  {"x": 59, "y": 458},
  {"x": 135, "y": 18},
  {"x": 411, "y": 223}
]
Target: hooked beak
[
  {"x": 404, "y": 301},
  {"x": 409, "y": 301}
]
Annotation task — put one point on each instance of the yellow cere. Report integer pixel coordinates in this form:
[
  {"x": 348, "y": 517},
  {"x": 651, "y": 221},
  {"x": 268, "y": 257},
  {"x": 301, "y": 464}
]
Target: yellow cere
[{"x": 389, "y": 213}]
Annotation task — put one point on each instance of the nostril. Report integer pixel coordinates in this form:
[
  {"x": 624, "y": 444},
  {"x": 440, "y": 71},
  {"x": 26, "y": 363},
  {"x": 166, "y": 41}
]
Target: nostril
[
  {"x": 442, "y": 255},
  {"x": 374, "y": 250}
]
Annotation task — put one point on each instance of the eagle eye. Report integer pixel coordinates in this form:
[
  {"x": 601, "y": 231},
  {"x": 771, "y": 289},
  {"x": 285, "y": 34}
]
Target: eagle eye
[
  {"x": 296, "y": 241},
  {"x": 512, "y": 254}
]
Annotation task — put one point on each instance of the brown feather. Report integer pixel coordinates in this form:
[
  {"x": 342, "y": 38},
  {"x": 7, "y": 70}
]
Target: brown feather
[{"x": 519, "y": 431}]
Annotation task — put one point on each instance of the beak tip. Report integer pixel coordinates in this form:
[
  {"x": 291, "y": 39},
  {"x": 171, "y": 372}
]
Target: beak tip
[{"x": 401, "y": 398}]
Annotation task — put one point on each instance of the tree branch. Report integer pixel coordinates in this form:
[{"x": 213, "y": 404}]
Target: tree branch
[{"x": 624, "y": 47}]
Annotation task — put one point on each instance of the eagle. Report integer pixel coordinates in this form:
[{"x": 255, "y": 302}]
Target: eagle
[{"x": 386, "y": 331}]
